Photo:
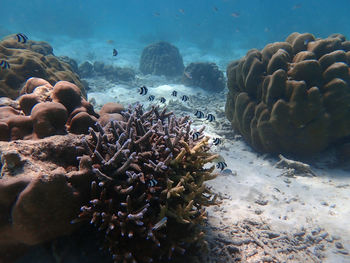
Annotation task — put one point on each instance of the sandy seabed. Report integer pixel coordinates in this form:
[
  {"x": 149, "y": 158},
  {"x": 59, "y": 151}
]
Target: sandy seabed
[{"x": 266, "y": 213}]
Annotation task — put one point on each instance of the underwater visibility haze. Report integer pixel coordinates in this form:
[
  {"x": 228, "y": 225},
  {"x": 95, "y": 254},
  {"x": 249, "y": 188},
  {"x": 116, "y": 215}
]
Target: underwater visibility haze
[{"x": 174, "y": 131}]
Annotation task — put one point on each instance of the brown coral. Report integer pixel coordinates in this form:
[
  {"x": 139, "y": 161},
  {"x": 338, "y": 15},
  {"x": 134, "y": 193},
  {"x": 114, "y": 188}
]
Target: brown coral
[
  {"x": 293, "y": 96},
  {"x": 37, "y": 199},
  {"x": 31, "y": 59},
  {"x": 48, "y": 111}
]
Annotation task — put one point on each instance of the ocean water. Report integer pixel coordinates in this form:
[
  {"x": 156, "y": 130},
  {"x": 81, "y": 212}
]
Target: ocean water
[
  {"x": 225, "y": 29},
  {"x": 208, "y": 31}
]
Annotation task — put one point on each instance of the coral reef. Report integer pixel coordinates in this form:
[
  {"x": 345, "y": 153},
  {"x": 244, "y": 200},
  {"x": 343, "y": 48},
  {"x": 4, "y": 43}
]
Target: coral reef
[
  {"x": 205, "y": 75},
  {"x": 112, "y": 73},
  {"x": 161, "y": 58},
  {"x": 37, "y": 199},
  {"x": 148, "y": 195},
  {"x": 31, "y": 59},
  {"x": 85, "y": 69},
  {"x": 44, "y": 110},
  {"x": 71, "y": 62},
  {"x": 292, "y": 96}
]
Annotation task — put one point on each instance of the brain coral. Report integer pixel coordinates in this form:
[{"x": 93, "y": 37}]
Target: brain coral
[
  {"x": 31, "y": 59},
  {"x": 161, "y": 58},
  {"x": 292, "y": 96}
]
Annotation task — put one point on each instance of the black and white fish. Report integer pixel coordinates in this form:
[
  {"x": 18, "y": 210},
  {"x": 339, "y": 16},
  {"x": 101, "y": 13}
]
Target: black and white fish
[
  {"x": 143, "y": 90},
  {"x": 4, "y": 64},
  {"x": 210, "y": 117},
  {"x": 161, "y": 223},
  {"x": 152, "y": 182},
  {"x": 221, "y": 165},
  {"x": 196, "y": 135},
  {"x": 22, "y": 38},
  {"x": 115, "y": 52},
  {"x": 184, "y": 98},
  {"x": 162, "y": 100},
  {"x": 217, "y": 141},
  {"x": 199, "y": 114},
  {"x": 151, "y": 98},
  {"x": 174, "y": 93}
]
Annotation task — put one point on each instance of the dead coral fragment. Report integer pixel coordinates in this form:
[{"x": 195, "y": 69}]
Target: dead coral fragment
[
  {"x": 148, "y": 194},
  {"x": 294, "y": 167}
]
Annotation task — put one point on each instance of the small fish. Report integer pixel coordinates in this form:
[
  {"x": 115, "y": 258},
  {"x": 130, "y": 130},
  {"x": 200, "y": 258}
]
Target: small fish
[
  {"x": 115, "y": 52},
  {"x": 182, "y": 11},
  {"x": 161, "y": 223},
  {"x": 235, "y": 14},
  {"x": 184, "y": 98},
  {"x": 199, "y": 114},
  {"x": 195, "y": 136},
  {"x": 210, "y": 117},
  {"x": 217, "y": 141},
  {"x": 153, "y": 182},
  {"x": 151, "y": 98},
  {"x": 143, "y": 90},
  {"x": 188, "y": 75},
  {"x": 156, "y": 14},
  {"x": 221, "y": 165},
  {"x": 162, "y": 100},
  {"x": 22, "y": 38},
  {"x": 215, "y": 9},
  {"x": 174, "y": 93},
  {"x": 110, "y": 41},
  {"x": 4, "y": 64}
]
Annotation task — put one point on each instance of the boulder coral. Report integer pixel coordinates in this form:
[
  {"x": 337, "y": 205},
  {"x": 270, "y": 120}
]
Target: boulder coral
[
  {"x": 31, "y": 59},
  {"x": 292, "y": 96},
  {"x": 44, "y": 110},
  {"x": 148, "y": 193},
  {"x": 161, "y": 58},
  {"x": 205, "y": 75},
  {"x": 37, "y": 199}
]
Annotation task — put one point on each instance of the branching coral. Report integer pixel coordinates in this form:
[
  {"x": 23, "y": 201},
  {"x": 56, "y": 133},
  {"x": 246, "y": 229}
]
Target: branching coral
[{"x": 148, "y": 195}]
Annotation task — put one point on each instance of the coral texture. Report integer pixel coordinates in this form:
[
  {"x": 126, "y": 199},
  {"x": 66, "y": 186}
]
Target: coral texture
[
  {"x": 161, "y": 58},
  {"x": 44, "y": 110},
  {"x": 37, "y": 199},
  {"x": 292, "y": 96},
  {"x": 31, "y": 59},
  {"x": 205, "y": 75},
  {"x": 110, "y": 72},
  {"x": 148, "y": 195}
]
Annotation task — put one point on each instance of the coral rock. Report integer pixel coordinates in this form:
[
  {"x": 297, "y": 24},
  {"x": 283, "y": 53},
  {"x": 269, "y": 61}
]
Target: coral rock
[
  {"x": 31, "y": 59},
  {"x": 67, "y": 94},
  {"x": 161, "y": 58},
  {"x": 293, "y": 96},
  {"x": 204, "y": 75},
  {"x": 37, "y": 198},
  {"x": 49, "y": 118}
]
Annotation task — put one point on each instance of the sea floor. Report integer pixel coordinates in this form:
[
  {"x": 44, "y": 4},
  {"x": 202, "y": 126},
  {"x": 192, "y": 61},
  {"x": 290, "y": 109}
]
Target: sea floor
[{"x": 265, "y": 213}]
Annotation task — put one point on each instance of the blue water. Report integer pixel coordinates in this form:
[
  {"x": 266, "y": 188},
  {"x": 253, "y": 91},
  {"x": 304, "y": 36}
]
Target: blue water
[{"x": 208, "y": 24}]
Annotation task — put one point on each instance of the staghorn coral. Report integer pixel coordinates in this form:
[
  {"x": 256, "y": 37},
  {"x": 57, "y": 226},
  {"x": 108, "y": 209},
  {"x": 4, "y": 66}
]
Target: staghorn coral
[
  {"x": 148, "y": 195},
  {"x": 292, "y": 96}
]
